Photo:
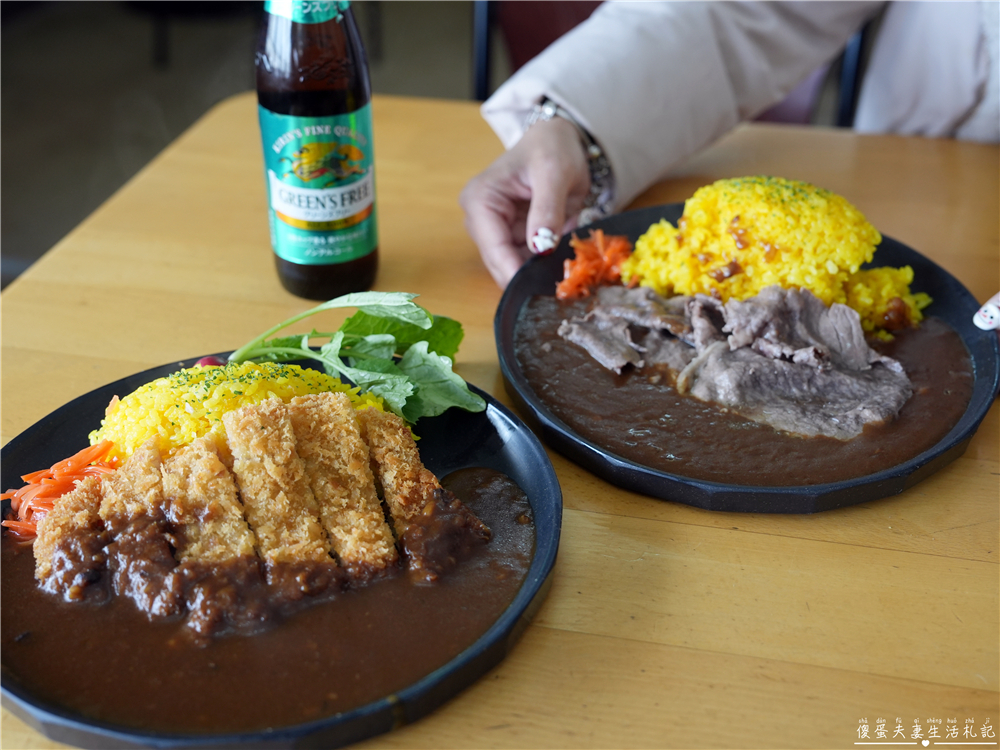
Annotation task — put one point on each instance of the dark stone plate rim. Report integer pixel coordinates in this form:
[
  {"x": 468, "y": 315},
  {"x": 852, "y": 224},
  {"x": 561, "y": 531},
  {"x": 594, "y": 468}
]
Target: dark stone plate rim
[
  {"x": 494, "y": 438},
  {"x": 953, "y": 303}
]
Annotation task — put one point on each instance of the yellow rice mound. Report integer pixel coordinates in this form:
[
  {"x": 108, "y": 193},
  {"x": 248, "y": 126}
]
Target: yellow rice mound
[
  {"x": 738, "y": 236},
  {"x": 190, "y": 403}
]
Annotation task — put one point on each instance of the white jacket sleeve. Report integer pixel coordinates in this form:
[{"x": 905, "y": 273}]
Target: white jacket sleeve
[
  {"x": 654, "y": 82},
  {"x": 934, "y": 72}
]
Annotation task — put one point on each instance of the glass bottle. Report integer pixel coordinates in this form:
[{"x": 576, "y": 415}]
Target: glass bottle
[{"x": 314, "y": 102}]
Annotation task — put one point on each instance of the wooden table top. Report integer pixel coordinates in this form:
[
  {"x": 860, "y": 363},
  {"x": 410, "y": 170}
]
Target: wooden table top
[{"x": 666, "y": 626}]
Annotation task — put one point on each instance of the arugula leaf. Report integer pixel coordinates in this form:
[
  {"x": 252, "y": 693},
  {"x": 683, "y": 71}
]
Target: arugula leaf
[
  {"x": 395, "y": 305},
  {"x": 387, "y": 381},
  {"x": 442, "y": 337},
  {"x": 374, "y": 346},
  {"x": 330, "y": 352},
  {"x": 282, "y": 349},
  {"x": 440, "y": 388},
  {"x": 387, "y": 325}
]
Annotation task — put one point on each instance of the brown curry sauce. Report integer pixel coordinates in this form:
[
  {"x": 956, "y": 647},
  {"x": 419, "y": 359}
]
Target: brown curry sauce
[
  {"x": 106, "y": 661},
  {"x": 637, "y": 416}
]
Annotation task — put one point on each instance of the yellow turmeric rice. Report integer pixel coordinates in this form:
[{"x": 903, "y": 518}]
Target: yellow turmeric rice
[
  {"x": 190, "y": 403},
  {"x": 738, "y": 236}
]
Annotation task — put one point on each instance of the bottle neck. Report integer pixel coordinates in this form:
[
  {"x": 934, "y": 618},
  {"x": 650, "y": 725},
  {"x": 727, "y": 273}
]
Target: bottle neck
[
  {"x": 311, "y": 69},
  {"x": 308, "y": 11}
]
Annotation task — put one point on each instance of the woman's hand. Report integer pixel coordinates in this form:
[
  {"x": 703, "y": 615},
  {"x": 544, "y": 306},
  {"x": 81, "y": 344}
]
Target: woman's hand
[{"x": 535, "y": 190}]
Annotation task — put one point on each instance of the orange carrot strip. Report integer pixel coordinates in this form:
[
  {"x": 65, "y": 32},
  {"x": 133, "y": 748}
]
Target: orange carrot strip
[
  {"x": 30, "y": 492},
  {"x": 19, "y": 525},
  {"x": 22, "y": 535},
  {"x": 31, "y": 502},
  {"x": 87, "y": 455},
  {"x": 597, "y": 261}
]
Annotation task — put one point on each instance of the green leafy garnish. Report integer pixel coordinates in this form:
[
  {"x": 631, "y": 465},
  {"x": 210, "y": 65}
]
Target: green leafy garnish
[{"x": 387, "y": 325}]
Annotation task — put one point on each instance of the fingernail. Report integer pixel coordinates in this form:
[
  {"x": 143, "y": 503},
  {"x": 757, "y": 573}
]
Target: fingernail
[
  {"x": 988, "y": 317},
  {"x": 544, "y": 241}
]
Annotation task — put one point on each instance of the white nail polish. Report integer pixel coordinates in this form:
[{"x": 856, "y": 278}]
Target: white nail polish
[
  {"x": 988, "y": 317},
  {"x": 543, "y": 241}
]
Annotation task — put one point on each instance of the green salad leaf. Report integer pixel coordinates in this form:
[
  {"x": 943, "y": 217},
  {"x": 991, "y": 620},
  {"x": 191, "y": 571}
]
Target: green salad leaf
[
  {"x": 364, "y": 349},
  {"x": 442, "y": 337},
  {"x": 440, "y": 388}
]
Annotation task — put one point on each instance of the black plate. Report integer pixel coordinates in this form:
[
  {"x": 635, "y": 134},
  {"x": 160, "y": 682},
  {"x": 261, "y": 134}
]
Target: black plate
[
  {"x": 952, "y": 303},
  {"x": 494, "y": 438}
]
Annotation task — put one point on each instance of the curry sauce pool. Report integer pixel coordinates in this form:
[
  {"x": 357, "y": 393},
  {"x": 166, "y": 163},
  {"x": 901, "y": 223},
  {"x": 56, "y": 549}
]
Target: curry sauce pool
[
  {"x": 635, "y": 416},
  {"x": 110, "y": 663}
]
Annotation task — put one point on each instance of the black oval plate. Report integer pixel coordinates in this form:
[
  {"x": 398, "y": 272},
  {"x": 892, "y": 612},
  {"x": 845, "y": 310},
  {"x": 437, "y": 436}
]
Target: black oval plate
[
  {"x": 494, "y": 438},
  {"x": 952, "y": 303}
]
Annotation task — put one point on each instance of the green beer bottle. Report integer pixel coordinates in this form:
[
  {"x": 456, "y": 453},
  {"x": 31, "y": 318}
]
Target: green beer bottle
[{"x": 314, "y": 102}]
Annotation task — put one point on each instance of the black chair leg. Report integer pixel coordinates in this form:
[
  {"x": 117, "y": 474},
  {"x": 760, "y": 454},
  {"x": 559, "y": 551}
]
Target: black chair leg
[
  {"x": 482, "y": 27},
  {"x": 851, "y": 72}
]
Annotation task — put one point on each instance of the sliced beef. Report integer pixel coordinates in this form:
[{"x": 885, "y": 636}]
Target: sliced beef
[
  {"x": 795, "y": 325},
  {"x": 642, "y": 306},
  {"x": 660, "y": 348},
  {"x": 605, "y": 337},
  {"x": 797, "y": 398},
  {"x": 707, "y": 319},
  {"x": 782, "y": 358}
]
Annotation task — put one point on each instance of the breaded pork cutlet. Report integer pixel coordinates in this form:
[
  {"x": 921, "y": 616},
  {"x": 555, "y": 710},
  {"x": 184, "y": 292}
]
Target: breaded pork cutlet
[
  {"x": 69, "y": 547},
  {"x": 203, "y": 507},
  {"x": 215, "y": 547},
  {"x": 134, "y": 490},
  {"x": 139, "y": 554},
  {"x": 328, "y": 439},
  {"x": 434, "y": 528},
  {"x": 279, "y": 503},
  {"x": 406, "y": 485}
]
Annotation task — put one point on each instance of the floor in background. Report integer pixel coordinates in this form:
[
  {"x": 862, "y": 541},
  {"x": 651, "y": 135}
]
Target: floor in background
[{"x": 89, "y": 94}]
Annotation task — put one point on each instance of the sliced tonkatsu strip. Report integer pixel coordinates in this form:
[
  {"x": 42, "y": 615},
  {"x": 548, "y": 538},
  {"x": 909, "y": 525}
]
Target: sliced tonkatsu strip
[
  {"x": 139, "y": 553},
  {"x": 328, "y": 439},
  {"x": 434, "y": 528},
  {"x": 406, "y": 485},
  {"x": 223, "y": 581},
  {"x": 203, "y": 507},
  {"x": 69, "y": 549},
  {"x": 279, "y": 503},
  {"x": 135, "y": 489}
]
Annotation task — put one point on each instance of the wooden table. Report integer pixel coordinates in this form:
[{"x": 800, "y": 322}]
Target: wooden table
[{"x": 666, "y": 626}]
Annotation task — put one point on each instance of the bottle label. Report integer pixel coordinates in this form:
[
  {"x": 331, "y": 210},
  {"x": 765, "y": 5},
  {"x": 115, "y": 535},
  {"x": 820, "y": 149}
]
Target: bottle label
[
  {"x": 320, "y": 185},
  {"x": 307, "y": 11}
]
